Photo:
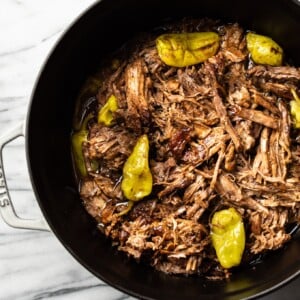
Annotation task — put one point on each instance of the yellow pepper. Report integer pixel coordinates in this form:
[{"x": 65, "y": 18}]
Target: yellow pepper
[
  {"x": 137, "y": 177},
  {"x": 78, "y": 138},
  {"x": 105, "y": 115},
  {"x": 228, "y": 237},
  {"x": 185, "y": 49},
  {"x": 264, "y": 50},
  {"x": 295, "y": 109}
]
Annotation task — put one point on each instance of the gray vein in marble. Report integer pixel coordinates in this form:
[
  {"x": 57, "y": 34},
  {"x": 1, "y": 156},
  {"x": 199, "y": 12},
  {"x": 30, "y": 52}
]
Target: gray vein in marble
[
  {"x": 13, "y": 52},
  {"x": 20, "y": 50},
  {"x": 64, "y": 291}
]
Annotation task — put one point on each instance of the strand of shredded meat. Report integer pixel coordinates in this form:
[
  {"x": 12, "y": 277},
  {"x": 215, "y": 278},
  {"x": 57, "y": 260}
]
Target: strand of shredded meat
[{"x": 220, "y": 136}]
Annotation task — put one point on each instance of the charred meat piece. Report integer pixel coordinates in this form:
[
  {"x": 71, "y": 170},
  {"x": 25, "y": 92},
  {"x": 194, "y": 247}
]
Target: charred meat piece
[
  {"x": 110, "y": 146},
  {"x": 233, "y": 45},
  {"x": 278, "y": 80},
  {"x": 266, "y": 102},
  {"x": 178, "y": 142},
  {"x": 285, "y": 73},
  {"x": 256, "y": 116},
  {"x": 221, "y": 110},
  {"x": 137, "y": 105}
]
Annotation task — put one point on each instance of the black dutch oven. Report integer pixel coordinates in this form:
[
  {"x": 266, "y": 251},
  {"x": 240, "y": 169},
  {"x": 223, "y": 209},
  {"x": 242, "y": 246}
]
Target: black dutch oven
[{"x": 99, "y": 31}]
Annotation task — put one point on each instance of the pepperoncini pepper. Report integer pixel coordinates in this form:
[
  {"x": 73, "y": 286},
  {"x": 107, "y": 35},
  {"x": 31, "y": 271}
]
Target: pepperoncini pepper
[
  {"x": 137, "y": 177},
  {"x": 228, "y": 237},
  {"x": 185, "y": 49},
  {"x": 264, "y": 50},
  {"x": 78, "y": 138},
  {"x": 105, "y": 114},
  {"x": 295, "y": 109}
]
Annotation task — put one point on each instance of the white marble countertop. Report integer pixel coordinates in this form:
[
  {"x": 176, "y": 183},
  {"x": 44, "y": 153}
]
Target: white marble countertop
[{"x": 34, "y": 265}]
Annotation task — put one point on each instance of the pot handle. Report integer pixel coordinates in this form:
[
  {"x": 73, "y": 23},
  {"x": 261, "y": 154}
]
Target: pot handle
[{"x": 7, "y": 210}]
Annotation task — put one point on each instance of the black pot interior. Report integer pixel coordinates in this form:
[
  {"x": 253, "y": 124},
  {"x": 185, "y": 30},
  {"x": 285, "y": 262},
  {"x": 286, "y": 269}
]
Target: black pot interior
[{"x": 101, "y": 30}]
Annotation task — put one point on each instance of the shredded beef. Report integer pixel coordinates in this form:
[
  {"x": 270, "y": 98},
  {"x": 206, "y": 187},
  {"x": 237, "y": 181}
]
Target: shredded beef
[{"x": 220, "y": 135}]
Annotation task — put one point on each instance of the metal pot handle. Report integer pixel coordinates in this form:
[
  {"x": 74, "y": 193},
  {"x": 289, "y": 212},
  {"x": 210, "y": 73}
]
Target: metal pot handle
[{"x": 7, "y": 210}]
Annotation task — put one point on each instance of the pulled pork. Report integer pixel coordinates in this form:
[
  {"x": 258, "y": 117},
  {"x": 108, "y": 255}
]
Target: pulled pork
[{"x": 220, "y": 136}]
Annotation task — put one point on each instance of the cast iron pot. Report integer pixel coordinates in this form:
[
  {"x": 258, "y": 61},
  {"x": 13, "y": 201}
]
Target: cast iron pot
[{"x": 101, "y": 30}]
